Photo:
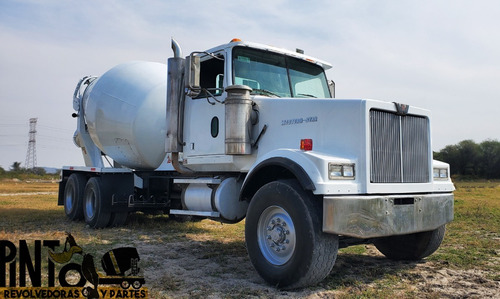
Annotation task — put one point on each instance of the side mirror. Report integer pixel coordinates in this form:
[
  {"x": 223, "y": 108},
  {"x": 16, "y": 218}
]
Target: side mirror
[
  {"x": 192, "y": 75},
  {"x": 331, "y": 87},
  {"x": 219, "y": 84}
]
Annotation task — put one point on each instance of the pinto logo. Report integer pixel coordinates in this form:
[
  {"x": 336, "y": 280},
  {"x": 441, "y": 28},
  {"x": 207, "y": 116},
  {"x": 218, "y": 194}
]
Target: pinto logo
[{"x": 82, "y": 279}]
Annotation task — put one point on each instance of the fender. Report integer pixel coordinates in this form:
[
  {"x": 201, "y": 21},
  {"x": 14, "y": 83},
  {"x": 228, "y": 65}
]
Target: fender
[{"x": 281, "y": 164}]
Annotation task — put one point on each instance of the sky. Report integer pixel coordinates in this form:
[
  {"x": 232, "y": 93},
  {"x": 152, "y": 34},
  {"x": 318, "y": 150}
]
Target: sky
[{"x": 442, "y": 55}]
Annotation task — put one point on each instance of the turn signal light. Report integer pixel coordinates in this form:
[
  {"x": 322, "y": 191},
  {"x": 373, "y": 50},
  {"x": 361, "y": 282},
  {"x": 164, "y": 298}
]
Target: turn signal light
[{"x": 306, "y": 144}]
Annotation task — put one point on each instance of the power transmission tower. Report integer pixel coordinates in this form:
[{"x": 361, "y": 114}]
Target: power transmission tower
[{"x": 31, "y": 153}]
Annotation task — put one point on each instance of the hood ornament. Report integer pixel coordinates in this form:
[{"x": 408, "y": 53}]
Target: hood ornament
[{"x": 401, "y": 109}]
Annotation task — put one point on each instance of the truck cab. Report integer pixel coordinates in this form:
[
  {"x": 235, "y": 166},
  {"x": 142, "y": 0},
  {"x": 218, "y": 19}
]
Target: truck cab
[{"x": 266, "y": 70}]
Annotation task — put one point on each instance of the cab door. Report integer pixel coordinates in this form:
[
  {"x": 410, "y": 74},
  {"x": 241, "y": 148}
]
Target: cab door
[{"x": 204, "y": 114}]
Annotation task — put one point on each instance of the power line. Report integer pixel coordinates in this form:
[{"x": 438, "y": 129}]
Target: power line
[
  {"x": 12, "y": 125},
  {"x": 56, "y": 138},
  {"x": 52, "y": 128}
]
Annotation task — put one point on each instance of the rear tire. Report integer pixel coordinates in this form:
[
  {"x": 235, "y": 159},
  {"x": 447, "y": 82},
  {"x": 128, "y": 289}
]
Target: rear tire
[
  {"x": 73, "y": 196},
  {"x": 411, "y": 247},
  {"x": 95, "y": 208},
  {"x": 118, "y": 219},
  {"x": 284, "y": 238}
]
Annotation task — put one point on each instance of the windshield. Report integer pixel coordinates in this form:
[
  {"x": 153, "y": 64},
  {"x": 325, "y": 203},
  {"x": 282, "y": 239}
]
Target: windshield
[{"x": 278, "y": 75}]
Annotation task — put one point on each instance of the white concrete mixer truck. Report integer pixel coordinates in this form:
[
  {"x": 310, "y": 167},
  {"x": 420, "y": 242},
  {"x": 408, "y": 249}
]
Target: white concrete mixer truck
[{"x": 246, "y": 130}]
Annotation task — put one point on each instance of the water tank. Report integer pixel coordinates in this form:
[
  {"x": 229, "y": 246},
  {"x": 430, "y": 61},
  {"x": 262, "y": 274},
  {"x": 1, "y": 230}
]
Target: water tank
[{"x": 125, "y": 111}]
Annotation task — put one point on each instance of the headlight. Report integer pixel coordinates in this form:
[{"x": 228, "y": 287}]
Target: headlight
[
  {"x": 340, "y": 171},
  {"x": 440, "y": 173}
]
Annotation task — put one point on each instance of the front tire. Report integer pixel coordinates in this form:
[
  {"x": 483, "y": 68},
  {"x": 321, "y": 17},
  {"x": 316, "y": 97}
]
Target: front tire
[
  {"x": 411, "y": 247},
  {"x": 73, "y": 196},
  {"x": 95, "y": 208},
  {"x": 284, "y": 237}
]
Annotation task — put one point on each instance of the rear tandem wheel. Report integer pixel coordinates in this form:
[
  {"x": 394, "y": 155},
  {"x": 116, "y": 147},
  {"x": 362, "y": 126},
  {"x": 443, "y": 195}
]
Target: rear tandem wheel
[
  {"x": 95, "y": 209},
  {"x": 73, "y": 196}
]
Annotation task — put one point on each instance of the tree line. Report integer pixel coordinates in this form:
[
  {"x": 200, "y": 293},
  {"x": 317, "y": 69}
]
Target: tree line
[
  {"x": 16, "y": 171},
  {"x": 468, "y": 159}
]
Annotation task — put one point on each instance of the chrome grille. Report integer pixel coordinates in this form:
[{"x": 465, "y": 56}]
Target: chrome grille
[{"x": 399, "y": 148}]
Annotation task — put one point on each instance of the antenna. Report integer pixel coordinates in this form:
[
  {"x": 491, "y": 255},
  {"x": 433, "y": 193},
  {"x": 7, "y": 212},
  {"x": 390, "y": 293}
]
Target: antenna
[{"x": 31, "y": 153}]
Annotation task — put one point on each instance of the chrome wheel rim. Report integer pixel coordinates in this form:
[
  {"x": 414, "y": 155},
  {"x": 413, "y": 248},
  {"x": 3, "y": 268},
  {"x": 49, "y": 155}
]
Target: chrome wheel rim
[
  {"x": 90, "y": 205},
  {"x": 68, "y": 198},
  {"x": 276, "y": 235}
]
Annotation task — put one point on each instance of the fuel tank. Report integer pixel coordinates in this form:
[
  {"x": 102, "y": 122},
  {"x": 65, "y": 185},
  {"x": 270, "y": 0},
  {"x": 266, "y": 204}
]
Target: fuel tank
[{"x": 125, "y": 112}]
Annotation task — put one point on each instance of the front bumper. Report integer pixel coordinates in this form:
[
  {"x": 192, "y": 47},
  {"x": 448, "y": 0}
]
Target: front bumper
[{"x": 381, "y": 216}]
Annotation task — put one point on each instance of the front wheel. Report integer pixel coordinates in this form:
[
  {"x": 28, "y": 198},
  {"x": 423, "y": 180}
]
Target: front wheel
[
  {"x": 284, "y": 238},
  {"x": 411, "y": 247}
]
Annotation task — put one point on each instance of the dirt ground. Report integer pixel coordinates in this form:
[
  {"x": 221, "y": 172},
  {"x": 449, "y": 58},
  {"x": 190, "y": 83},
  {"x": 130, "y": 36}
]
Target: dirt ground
[{"x": 183, "y": 269}]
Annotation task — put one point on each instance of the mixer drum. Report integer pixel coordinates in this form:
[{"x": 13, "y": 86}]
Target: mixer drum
[{"x": 125, "y": 111}]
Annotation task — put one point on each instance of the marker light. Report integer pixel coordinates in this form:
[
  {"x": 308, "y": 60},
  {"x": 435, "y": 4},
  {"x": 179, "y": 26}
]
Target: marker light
[
  {"x": 234, "y": 40},
  {"x": 306, "y": 144}
]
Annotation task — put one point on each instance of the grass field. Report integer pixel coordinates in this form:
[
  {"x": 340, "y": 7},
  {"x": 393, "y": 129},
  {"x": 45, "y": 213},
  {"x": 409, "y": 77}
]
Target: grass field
[{"x": 207, "y": 258}]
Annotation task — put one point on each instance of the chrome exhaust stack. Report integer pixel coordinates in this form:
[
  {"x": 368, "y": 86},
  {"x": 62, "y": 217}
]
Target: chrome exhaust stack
[{"x": 175, "y": 107}]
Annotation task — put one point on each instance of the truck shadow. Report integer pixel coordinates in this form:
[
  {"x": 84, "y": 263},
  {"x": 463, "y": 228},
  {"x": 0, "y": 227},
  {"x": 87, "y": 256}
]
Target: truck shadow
[{"x": 352, "y": 270}]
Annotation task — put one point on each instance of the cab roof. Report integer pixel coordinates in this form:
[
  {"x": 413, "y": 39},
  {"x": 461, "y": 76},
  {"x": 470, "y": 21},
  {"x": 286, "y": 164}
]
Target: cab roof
[{"x": 236, "y": 42}]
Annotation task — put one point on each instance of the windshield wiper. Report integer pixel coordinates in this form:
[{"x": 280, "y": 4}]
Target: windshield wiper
[
  {"x": 306, "y": 95},
  {"x": 265, "y": 92}
]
